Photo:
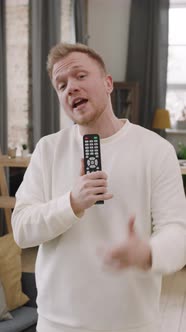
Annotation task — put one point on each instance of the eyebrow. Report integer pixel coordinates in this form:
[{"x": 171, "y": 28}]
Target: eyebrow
[{"x": 60, "y": 77}]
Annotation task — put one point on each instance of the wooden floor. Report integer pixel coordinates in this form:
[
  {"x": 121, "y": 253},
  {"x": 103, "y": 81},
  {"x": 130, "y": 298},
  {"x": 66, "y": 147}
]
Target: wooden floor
[{"x": 173, "y": 297}]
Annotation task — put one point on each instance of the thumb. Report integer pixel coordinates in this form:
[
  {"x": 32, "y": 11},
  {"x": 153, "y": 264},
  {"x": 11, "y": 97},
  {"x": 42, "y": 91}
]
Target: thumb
[
  {"x": 131, "y": 230},
  {"x": 82, "y": 169}
]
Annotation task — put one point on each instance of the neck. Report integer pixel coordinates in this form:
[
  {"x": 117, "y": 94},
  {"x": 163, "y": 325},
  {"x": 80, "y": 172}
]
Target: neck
[{"x": 106, "y": 126}]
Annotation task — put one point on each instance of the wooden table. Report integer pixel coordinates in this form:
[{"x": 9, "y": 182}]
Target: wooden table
[
  {"x": 6, "y": 202},
  {"x": 6, "y": 161}
]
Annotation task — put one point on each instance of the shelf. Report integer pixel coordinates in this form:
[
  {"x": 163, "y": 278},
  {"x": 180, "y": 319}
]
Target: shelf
[
  {"x": 6, "y": 161},
  {"x": 7, "y": 202},
  {"x": 175, "y": 131}
]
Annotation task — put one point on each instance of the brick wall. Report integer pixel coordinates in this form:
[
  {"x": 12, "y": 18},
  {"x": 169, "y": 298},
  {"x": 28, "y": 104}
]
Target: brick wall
[
  {"x": 17, "y": 70},
  {"x": 17, "y": 25}
]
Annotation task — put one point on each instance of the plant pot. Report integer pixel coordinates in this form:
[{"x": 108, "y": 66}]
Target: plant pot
[{"x": 24, "y": 153}]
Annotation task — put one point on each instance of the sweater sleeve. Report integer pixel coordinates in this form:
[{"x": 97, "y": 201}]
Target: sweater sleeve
[
  {"x": 168, "y": 241},
  {"x": 36, "y": 219}
]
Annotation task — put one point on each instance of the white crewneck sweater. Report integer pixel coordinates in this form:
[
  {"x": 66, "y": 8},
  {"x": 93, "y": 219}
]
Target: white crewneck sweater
[{"x": 76, "y": 293}]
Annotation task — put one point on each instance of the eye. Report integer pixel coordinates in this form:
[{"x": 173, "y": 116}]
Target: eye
[
  {"x": 61, "y": 87},
  {"x": 80, "y": 76}
]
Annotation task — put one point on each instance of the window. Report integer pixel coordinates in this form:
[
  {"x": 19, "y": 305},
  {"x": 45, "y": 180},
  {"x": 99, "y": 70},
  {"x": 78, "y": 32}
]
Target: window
[
  {"x": 67, "y": 22},
  {"x": 176, "y": 78},
  {"x": 17, "y": 40}
]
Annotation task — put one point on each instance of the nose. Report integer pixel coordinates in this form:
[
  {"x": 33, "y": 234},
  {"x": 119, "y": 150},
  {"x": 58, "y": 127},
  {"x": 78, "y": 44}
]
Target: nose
[{"x": 72, "y": 86}]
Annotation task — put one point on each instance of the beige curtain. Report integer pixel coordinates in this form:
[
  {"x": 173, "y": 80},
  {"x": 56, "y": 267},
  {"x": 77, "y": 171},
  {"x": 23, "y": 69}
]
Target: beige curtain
[{"x": 3, "y": 87}]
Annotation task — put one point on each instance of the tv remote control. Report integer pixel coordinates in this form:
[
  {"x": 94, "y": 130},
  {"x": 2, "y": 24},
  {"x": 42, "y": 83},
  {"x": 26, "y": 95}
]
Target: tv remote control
[{"x": 92, "y": 155}]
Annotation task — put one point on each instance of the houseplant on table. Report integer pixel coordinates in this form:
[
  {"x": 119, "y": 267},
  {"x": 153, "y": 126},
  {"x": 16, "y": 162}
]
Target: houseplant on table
[
  {"x": 24, "y": 150},
  {"x": 181, "y": 154}
]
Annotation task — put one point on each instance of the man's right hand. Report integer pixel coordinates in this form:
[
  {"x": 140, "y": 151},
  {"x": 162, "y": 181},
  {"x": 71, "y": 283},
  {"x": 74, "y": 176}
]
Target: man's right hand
[{"x": 88, "y": 189}]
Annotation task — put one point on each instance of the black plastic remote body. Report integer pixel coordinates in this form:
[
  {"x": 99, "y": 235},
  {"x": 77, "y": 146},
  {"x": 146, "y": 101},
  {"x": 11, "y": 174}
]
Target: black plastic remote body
[{"x": 92, "y": 155}]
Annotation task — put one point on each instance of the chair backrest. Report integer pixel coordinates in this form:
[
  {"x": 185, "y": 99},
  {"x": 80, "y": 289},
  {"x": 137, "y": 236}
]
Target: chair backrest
[{"x": 6, "y": 202}]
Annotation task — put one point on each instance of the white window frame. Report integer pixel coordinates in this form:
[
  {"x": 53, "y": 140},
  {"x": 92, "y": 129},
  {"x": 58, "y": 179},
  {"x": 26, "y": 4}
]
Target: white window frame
[{"x": 176, "y": 86}]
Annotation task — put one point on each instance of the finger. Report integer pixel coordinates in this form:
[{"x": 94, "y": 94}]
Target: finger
[
  {"x": 82, "y": 169},
  {"x": 98, "y": 183},
  {"x": 97, "y": 190},
  {"x": 115, "y": 264},
  {"x": 115, "y": 253},
  {"x": 131, "y": 229},
  {"x": 97, "y": 175},
  {"x": 100, "y": 197},
  {"x": 92, "y": 183},
  {"x": 103, "y": 197}
]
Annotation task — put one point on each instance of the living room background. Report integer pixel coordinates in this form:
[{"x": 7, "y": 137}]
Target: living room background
[{"x": 114, "y": 51}]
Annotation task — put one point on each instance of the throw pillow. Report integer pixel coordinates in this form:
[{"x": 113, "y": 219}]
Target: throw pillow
[
  {"x": 10, "y": 272},
  {"x": 4, "y": 314}
]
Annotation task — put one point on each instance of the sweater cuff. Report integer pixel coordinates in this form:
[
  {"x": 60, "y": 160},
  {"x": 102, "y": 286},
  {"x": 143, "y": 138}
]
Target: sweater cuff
[
  {"x": 166, "y": 257},
  {"x": 156, "y": 256},
  {"x": 64, "y": 208}
]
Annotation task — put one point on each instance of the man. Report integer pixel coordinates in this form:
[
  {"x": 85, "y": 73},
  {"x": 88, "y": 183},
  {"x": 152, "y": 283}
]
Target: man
[{"x": 99, "y": 267}]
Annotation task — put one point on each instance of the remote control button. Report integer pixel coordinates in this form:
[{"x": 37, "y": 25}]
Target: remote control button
[{"x": 92, "y": 166}]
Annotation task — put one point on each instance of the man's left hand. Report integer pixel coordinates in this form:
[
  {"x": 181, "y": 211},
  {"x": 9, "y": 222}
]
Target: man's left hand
[{"x": 133, "y": 252}]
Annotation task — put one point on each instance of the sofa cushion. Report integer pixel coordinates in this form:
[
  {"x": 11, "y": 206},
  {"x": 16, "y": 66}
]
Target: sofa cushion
[
  {"x": 4, "y": 314},
  {"x": 10, "y": 272},
  {"x": 23, "y": 318}
]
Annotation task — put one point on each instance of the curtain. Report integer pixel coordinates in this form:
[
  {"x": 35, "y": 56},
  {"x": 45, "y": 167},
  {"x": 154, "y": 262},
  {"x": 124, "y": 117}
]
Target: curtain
[
  {"x": 80, "y": 20},
  {"x": 3, "y": 90},
  {"x": 45, "y": 33},
  {"x": 3, "y": 98},
  {"x": 148, "y": 54}
]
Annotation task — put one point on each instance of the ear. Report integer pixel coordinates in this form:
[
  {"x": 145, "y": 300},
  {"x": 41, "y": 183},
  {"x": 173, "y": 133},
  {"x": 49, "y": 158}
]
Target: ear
[{"x": 109, "y": 84}]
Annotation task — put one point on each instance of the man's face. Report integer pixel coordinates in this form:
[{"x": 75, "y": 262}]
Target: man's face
[{"x": 82, "y": 87}]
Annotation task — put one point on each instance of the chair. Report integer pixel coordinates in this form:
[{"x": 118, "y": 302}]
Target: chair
[{"x": 6, "y": 201}]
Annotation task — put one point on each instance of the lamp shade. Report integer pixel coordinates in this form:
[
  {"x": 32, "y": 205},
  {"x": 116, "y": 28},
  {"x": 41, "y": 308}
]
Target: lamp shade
[{"x": 161, "y": 119}]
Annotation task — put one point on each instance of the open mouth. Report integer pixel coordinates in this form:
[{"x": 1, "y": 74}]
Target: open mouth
[{"x": 79, "y": 102}]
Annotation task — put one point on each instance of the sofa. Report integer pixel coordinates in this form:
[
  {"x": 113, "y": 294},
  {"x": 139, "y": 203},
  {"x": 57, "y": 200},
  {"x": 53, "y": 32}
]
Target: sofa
[{"x": 24, "y": 317}]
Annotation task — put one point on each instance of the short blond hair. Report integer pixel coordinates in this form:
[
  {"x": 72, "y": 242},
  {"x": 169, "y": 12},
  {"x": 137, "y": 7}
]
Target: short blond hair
[{"x": 61, "y": 50}]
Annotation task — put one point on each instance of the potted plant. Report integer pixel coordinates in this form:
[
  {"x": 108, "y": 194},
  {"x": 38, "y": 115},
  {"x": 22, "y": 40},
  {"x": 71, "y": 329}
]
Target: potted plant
[
  {"x": 24, "y": 150},
  {"x": 181, "y": 154}
]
